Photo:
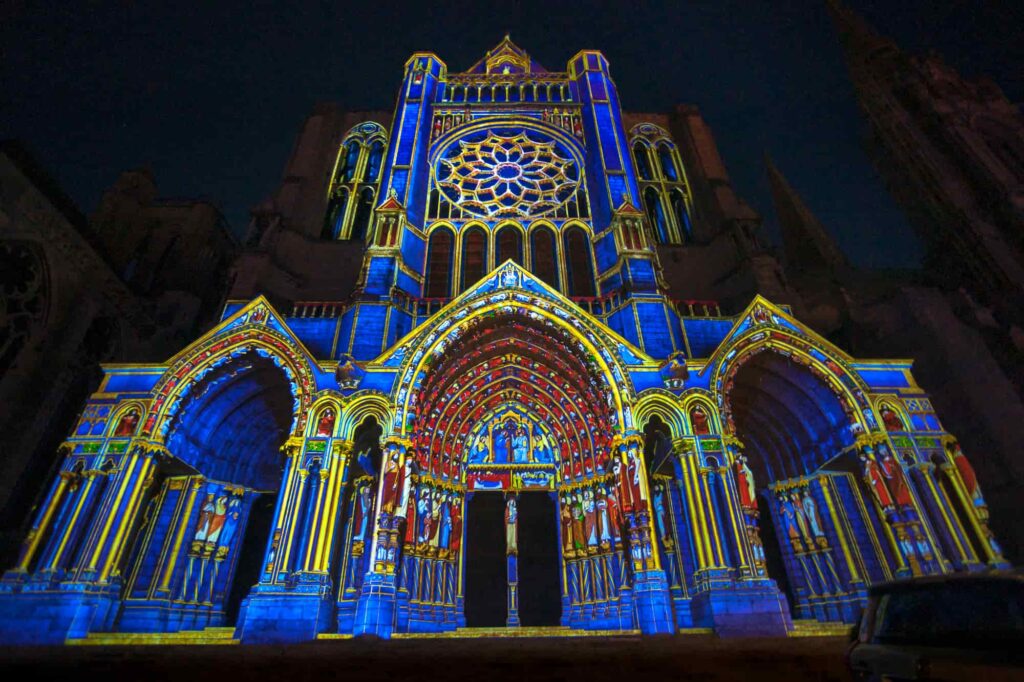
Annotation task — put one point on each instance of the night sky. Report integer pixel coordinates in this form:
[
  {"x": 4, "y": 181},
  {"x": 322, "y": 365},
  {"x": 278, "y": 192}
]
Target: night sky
[{"x": 211, "y": 98}]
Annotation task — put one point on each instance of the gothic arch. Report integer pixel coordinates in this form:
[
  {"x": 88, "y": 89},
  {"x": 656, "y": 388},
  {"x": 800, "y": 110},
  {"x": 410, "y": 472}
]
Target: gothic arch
[
  {"x": 824, "y": 360},
  {"x": 360, "y": 406},
  {"x": 191, "y": 365},
  {"x": 431, "y": 344},
  {"x": 657, "y": 402}
]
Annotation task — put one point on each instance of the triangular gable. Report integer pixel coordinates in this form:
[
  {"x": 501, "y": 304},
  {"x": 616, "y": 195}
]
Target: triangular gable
[
  {"x": 760, "y": 312},
  {"x": 510, "y": 275},
  {"x": 257, "y": 311},
  {"x": 391, "y": 203},
  {"x": 627, "y": 207},
  {"x": 506, "y": 53}
]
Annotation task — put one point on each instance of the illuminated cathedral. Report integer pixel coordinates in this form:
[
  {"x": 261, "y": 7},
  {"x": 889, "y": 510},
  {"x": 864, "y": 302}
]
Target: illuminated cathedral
[{"x": 528, "y": 414}]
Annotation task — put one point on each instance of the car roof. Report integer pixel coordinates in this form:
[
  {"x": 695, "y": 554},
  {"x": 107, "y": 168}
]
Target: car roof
[{"x": 924, "y": 582}]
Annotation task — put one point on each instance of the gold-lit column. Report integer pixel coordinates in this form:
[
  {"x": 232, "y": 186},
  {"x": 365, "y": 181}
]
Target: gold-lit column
[
  {"x": 194, "y": 486},
  {"x": 687, "y": 456},
  {"x": 35, "y": 536},
  {"x": 91, "y": 476},
  {"x": 332, "y": 513}
]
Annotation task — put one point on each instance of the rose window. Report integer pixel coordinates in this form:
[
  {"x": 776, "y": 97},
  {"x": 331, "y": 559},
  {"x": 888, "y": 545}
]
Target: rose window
[{"x": 512, "y": 175}]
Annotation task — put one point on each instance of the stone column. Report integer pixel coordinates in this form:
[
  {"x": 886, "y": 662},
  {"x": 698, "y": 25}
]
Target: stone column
[{"x": 512, "y": 559}]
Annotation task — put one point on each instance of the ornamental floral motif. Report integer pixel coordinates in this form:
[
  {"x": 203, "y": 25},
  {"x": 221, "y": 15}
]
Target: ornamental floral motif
[{"x": 507, "y": 176}]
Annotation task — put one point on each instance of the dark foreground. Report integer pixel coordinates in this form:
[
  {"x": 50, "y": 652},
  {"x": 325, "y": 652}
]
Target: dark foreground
[{"x": 689, "y": 657}]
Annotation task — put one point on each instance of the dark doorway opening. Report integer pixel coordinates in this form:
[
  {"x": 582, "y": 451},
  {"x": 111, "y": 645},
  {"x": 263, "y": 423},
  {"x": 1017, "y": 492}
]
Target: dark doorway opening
[
  {"x": 540, "y": 594},
  {"x": 774, "y": 560},
  {"x": 486, "y": 590},
  {"x": 250, "y": 557}
]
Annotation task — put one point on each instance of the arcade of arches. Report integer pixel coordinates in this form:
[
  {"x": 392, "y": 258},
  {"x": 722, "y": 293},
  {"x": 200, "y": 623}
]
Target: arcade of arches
[{"x": 520, "y": 494}]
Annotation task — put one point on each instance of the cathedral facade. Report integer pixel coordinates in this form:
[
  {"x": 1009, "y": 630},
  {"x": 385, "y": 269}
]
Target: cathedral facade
[{"x": 528, "y": 412}]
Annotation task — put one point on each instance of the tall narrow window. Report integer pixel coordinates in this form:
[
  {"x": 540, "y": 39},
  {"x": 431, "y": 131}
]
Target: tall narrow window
[
  {"x": 335, "y": 219},
  {"x": 351, "y": 159},
  {"x": 682, "y": 215},
  {"x": 577, "y": 254},
  {"x": 656, "y": 214},
  {"x": 545, "y": 257},
  {"x": 668, "y": 167},
  {"x": 376, "y": 158},
  {"x": 363, "y": 212},
  {"x": 643, "y": 166},
  {"x": 439, "y": 263},
  {"x": 474, "y": 256},
  {"x": 510, "y": 245}
]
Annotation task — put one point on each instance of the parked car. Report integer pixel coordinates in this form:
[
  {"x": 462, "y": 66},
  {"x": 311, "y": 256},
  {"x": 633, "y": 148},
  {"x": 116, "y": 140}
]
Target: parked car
[{"x": 960, "y": 627}]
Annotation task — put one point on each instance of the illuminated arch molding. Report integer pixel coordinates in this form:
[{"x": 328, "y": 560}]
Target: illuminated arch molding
[
  {"x": 357, "y": 169},
  {"x": 657, "y": 402},
  {"x": 582, "y": 330},
  {"x": 360, "y": 406},
  {"x": 194, "y": 363},
  {"x": 772, "y": 338},
  {"x": 652, "y": 148}
]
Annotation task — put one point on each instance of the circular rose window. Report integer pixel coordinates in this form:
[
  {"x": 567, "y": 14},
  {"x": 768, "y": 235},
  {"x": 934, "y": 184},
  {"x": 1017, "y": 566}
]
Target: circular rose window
[{"x": 493, "y": 175}]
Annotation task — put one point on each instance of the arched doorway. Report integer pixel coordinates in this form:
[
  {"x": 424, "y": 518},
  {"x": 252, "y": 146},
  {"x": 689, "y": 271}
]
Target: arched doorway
[
  {"x": 513, "y": 411},
  {"x": 799, "y": 461},
  {"x": 209, "y": 526}
]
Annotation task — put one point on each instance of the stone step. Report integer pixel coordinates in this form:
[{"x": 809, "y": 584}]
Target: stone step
[
  {"x": 209, "y": 636},
  {"x": 814, "y": 628}
]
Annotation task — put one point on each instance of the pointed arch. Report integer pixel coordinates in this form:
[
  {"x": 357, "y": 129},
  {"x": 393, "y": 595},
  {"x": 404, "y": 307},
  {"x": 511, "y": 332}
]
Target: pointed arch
[
  {"x": 440, "y": 259},
  {"x": 656, "y": 214},
  {"x": 642, "y": 159},
  {"x": 474, "y": 255},
  {"x": 681, "y": 213},
  {"x": 667, "y": 163},
  {"x": 544, "y": 254},
  {"x": 579, "y": 262},
  {"x": 508, "y": 244},
  {"x": 364, "y": 211}
]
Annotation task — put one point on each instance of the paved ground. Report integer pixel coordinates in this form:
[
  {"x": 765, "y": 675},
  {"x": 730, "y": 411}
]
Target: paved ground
[{"x": 483, "y": 660}]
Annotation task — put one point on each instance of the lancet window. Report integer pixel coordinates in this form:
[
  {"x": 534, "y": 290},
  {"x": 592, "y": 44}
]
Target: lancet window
[
  {"x": 668, "y": 201},
  {"x": 578, "y": 262},
  {"x": 355, "y": 182},
  {"x": 440, "y": 251}
]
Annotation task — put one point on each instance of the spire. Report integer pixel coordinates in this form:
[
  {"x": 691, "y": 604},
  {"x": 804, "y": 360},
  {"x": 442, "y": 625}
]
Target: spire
[
  {"x": 863, "y": 45},
  {"x": 808, "y": 247}
]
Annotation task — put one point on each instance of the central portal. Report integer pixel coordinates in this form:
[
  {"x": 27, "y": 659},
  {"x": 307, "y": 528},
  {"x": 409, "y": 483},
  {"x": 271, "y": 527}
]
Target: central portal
[{"x": 487, "y": 562}]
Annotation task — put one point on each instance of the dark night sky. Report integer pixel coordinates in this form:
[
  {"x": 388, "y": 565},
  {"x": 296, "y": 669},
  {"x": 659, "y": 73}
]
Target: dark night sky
[{"x": 211, "y": 98}]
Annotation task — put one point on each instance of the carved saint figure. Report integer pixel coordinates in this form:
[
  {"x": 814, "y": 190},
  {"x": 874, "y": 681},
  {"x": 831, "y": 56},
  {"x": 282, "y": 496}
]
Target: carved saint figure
[
  {"x": 897, "y": 481},
  {"x": 520, "y": 446},
  {"x": 205, "y": 517},
  {"x": 126, "y": 427},
  {"x": 699, "y": 421},
  {"x": 811, "y": 509},
  {"x": 565, "y": 516},
  {"x": 745, "y": 484},
  {"x": 876, "y": 482},
  {"x": 456, "y": 518},
  {"x": 363, "y": 512},
  {"x": 392, "y": 483},
  {"x": 325, "y": 425},
  {"x": 511, "y": 531},
  {"x": 590, "y": 518},
  {"x": 891, "y": 419},
  {"x": 602, "y": 519}
]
